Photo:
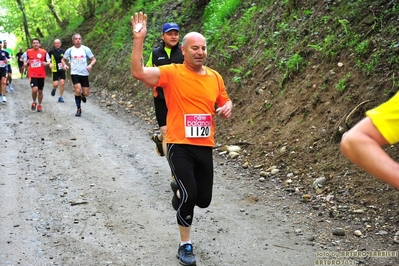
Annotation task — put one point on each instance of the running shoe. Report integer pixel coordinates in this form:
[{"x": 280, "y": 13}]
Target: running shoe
[
  {"x": 176, "y": 194},
  {"x": 7, "y": 88},
  {"x": 33, "y": 107},
  {"x": 185, "y": 255},
  {"x": 4, "y": 99},
  {"x": 78, "y": 112},
  {"x": 53, "y": 92},
  {"x": 1, "y": 98},
  {"x": 11, "y": 88},
  {"x": 39, "y": 108},
  {"x": 84, "y": 98},
  {"x": 60, "y": 99},
  {"x": 158, "y": 143}
]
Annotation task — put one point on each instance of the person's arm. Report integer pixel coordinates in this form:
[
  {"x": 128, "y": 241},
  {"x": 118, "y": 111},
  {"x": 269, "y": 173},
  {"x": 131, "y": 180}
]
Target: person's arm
[
  {"x": 362, "y": 146},
  {"x": 148, "y": 75},
  {"x": 48, "y": 61},
  {"x": 93, "y": 60},
  {"x": 64, "y": 65},
  {"x": 63, "y": 61},
  {"x": 25, "y": 58}
]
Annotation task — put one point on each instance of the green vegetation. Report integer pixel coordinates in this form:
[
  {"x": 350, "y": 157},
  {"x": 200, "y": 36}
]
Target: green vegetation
[
  {"x": 217, "y": 12},
  {"x": 341, "y": 85},
  {"x": 267, "y": 106},
  {"x": 292, "y": 64},
  {"x": 240, "y": 74},
  {"x": 243, "y": 37}
]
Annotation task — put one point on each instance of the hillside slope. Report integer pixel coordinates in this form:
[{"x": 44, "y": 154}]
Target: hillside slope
[{"x": 299, "y": 77}]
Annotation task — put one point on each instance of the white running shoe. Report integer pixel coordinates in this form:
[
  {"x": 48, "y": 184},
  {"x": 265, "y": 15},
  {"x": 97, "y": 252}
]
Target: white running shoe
[
  {"x": 4, "y": 99},
  {"x": 1, "y": 98},
  {"x": 8, "y": 88},
  {"x": 11, "y": 88}
]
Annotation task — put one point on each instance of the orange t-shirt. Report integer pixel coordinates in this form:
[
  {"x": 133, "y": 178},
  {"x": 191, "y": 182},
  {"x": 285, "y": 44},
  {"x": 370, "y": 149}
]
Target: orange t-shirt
[
  {"x": 36, "y": 59},
  {"x": 191, "y": 98}
]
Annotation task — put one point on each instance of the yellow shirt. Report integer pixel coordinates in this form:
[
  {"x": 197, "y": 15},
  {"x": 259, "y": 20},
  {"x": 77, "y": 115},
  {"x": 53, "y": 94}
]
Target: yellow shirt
[
  {"x": 149, "y": 62},
  {"x": 386, "y": 118}
]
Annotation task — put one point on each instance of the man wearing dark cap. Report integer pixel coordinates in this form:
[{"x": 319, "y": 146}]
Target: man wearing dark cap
[{"x": 167, "y": 53}]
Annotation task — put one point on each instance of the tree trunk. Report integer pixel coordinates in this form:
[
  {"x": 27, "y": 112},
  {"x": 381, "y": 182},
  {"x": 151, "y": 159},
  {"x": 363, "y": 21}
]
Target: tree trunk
[
  {"x": 50, "y": 5},
  {"x": 91, "y": 4},
  {"x": 39, "y": 32},
  {"x": 25, "y": 22}
]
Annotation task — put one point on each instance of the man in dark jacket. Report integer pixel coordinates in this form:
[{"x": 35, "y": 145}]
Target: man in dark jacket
[{"x": 167, "y": 53}]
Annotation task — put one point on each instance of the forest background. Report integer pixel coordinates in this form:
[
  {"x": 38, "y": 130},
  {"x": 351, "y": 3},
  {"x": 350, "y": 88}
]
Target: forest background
[{"x": 300, "y": 74}]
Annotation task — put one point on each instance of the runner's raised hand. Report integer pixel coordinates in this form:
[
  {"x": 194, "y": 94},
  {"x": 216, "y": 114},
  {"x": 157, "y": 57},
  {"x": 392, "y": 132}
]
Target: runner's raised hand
[{"x": 139, "y": 25}]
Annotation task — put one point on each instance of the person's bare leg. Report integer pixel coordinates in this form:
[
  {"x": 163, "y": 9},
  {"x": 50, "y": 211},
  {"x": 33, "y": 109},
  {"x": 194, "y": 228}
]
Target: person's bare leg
[
  {"x": 9, "y": 77},
  {"x": 3, "y": 87},
  {"x": 40, "y": 96},
  {"x": 62, "y": 86},
  {"x": 184, "y": 233},
  {"x": 362, "y": 145},
  {"x": 78, "y": 89},
  {"x": 55, "y": 84},
  {"x": 86, "y": 91},
  {"x": 162, "y": 137},
  {"x": 34, "y": 94}
]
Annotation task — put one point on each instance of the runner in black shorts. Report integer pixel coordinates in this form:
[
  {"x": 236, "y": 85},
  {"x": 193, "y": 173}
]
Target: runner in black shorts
[
  {"x": 57, "y": 69},
  {"x": 167, "y": 53},
  {"x": 82, "y": 61},
  {"x": 38, "y": 59}
]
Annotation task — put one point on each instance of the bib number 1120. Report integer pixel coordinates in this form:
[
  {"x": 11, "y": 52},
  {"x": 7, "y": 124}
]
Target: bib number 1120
[{"x": 198, "y": 126}]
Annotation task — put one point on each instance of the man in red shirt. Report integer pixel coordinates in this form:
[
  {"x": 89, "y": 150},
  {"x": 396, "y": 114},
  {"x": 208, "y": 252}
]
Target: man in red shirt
[{"x": 38, "y": 58}]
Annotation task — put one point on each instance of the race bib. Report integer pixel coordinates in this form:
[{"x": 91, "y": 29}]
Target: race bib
[
  {"x": 35, "y": 63},
  {"x": 80, "y": 59},
  {"x": 2, "y": 63},
  {"x": 198, "y": 126},
  {"x": 60, "y": 66}
]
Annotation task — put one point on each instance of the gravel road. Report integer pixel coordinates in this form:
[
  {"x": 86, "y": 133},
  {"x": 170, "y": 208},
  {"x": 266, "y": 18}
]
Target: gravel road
[{"x": 91, "y": 190}]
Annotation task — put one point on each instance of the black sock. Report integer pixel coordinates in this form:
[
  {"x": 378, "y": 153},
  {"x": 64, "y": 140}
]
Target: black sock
[{"x": 78, "y": 100}]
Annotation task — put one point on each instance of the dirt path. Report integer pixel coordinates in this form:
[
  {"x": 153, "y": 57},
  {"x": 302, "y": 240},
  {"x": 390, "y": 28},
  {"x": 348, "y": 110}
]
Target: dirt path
[{"x": 92, "y": 191}]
